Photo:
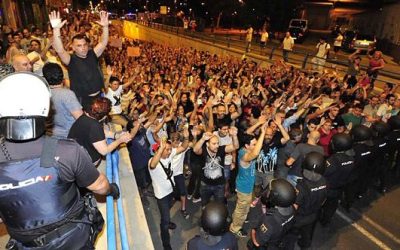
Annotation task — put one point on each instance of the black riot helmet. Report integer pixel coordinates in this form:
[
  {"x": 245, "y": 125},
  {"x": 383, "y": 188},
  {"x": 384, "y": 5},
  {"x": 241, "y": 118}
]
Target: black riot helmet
[
  {"x": 341, "y": 142},
  {"x": 315, "y": 162},
  {"x": 394, "y": 122},
  {"x": 214, "y": 218},
  {"x": 380, "y": 129},
  {"x": 361, "y": 133},
  {"x": 279, "y": 193}
]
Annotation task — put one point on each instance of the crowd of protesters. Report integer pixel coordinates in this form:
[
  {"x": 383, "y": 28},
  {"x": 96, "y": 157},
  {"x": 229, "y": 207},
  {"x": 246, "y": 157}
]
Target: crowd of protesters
[{"x": 190, "y": 113}]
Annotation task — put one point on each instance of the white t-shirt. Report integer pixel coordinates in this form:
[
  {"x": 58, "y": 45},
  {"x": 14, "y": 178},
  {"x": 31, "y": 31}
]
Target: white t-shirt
[
  {"x": 38, "y": 65},
  {"x": 322, "y": 48},
  {"x": 161, "y": 185},
  {"x": 249, "y": 34},
  {"x": 338, "y": 41},
  {"x": 264, "y": 36},
  {"x": 223, "y": 141},
  {"x": 115, "y": 98},
  {"x": 177, "y": 163},
  {"x": 288, "y": 43}
]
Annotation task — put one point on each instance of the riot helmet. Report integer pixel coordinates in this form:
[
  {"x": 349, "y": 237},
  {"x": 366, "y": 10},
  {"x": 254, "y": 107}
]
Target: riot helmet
[
  {"x": 341, "y": 142},
  {"x": 394, "y": 122},
  {"x": 314, "y": 162},
  {"x": 380, "y": 129},
  {"x": 361, "y": 133},
  {"x": 24, "y": 106},
  {"x": 279, "y": 193},
  {"x": 214, "y": 218}
]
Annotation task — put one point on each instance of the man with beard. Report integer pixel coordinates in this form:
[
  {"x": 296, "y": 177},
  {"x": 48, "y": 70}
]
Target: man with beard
[
  {"x": 213, "y": 156},
  {"x": 267, "y": 160}
]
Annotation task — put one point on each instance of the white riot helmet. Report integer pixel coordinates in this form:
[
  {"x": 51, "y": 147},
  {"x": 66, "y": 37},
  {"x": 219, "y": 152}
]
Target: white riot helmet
[{"x": 24, "y": 106}]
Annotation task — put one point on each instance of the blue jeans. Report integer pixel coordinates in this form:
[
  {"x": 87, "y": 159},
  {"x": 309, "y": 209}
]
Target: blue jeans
[
  {"x": 206, "y": 191},
  {"x": 164, "y": 205},
  {"x": 285, "y": 55}
]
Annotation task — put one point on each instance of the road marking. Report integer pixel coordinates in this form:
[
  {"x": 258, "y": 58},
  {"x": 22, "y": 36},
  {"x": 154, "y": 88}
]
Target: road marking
[
  {"x": 378, "y": 227},
  {"x": 362, "y": 230}
]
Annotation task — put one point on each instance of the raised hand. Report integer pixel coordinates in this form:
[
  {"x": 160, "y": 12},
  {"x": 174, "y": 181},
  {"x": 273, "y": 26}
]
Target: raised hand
[
  {"x": 55, "y": 20},
  {"x": 207, "y": 135},
  {"x": 103, "y": 18},
  {"x": 233, "y": 131}
]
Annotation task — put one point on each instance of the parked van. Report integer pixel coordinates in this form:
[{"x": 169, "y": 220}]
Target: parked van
[{"x": 299, "y": 23}]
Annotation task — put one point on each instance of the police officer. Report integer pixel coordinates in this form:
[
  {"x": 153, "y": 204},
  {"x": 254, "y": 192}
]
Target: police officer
[
  {"x": 363, "y": 159},
  {"x": 394, "y": 144},
  {"x": 339, "y": 166},
  {"x": 311, "y": 195},
  {"x": 279, "y": 218},
  {"x": 39, "y": 176},
  {"x": 381, "y": 148},
  {"x": 213, "y": 233}
]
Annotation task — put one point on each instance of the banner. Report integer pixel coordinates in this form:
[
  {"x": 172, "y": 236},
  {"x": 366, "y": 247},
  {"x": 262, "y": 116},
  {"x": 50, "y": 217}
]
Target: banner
[{"x": 133, "y": 51}]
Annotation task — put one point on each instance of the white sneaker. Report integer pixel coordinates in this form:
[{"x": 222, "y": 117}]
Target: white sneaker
[{"x": 196, "y": 200}]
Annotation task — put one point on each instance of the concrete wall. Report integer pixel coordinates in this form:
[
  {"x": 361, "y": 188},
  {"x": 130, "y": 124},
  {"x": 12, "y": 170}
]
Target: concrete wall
[{"x": 137, "y": 31}]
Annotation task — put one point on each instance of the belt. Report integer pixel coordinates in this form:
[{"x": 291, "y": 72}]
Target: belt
[{"x": 56, "y": 233}]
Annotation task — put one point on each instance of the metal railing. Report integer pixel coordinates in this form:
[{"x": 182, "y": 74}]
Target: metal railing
[
  {"x": 271, "y": 51},
  {"x": 112, "y": 172}
]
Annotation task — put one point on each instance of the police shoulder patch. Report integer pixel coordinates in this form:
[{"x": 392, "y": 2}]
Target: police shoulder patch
[{"x": 263, "y": 228}]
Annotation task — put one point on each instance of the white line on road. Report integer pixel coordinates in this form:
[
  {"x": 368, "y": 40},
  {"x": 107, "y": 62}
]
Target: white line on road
[
  {"x": 362, "y": 230},
  {"x": 378, "y": 227}
]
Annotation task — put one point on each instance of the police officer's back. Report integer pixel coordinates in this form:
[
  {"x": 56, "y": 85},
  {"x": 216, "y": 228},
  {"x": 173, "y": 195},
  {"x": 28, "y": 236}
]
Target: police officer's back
[
  {"x": 381, "y": 149},
  {"x": 214, "y": 234},
  {"x": 339, "y": 167},
  {"x": 310, "y": 198},
  {"x": 278, "y": 220},
  {"x": 363, "y": 162},
  {"x": 394, "y": 144},
  {"x": 39, "y": 200}
]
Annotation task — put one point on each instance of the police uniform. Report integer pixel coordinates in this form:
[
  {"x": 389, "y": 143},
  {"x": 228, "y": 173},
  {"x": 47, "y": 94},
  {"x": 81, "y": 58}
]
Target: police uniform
[
  {"x": 339, "y": 167},
  {"x": 310, "y": 198},
  {"x": 39, "y": 200},
  {"x": 394, "y": 151},
  {"x": 363, "y": 163},
  {"x": 380, "y": 166},
  {"x": 227, "y": 241},
  {"x": 272, "y": 228}
]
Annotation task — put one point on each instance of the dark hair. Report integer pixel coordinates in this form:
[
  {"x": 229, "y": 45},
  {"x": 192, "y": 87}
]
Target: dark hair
[
  {"x": 80, "y": 37},
  {"x": 53, "y": 73},
  {"x": 114, "y": 79},
  {"x": 256, "y": 112},
  {"x": 390, "y": 96},
  {"x": 99, "y": 107},
  {"x": 295, "y": 132},
  {"x": 313, "y": 121},
  {"x": 246, "y": 139}
]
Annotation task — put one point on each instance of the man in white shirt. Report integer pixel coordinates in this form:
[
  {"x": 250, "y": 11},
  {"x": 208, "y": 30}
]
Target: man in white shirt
[
  {"x": 229, "y": 162},
  {"x": 163, "y": 184},
  {"x": 264, "y": 38},
  {"x": 114, "y": 94},
  {"x": 180, "y": 141},
  {"x": 322, "y": 53},
  {"x": 249, "y": 37},
  {"x": 287, "y": 46}
]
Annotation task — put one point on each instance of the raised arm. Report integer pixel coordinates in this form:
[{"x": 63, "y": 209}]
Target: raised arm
[
  {"x": 101, "y": 46},
  {"x": 251, "y": 155},
  {"x": 197, "y": 149},
  {"x": 156, "y": 158},
  {"x": 57, "y": 24},
  {"x": 235, "y": 142}
]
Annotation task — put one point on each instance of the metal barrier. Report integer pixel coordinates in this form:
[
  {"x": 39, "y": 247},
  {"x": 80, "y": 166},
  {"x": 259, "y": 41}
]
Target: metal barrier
[
  {"x": 270, "y": 51},
  {"x": 112, "y": 172}
]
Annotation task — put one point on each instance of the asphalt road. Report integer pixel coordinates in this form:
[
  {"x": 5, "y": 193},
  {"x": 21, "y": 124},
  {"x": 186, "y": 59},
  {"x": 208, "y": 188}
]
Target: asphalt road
[{"x": 373, "y": 223}]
